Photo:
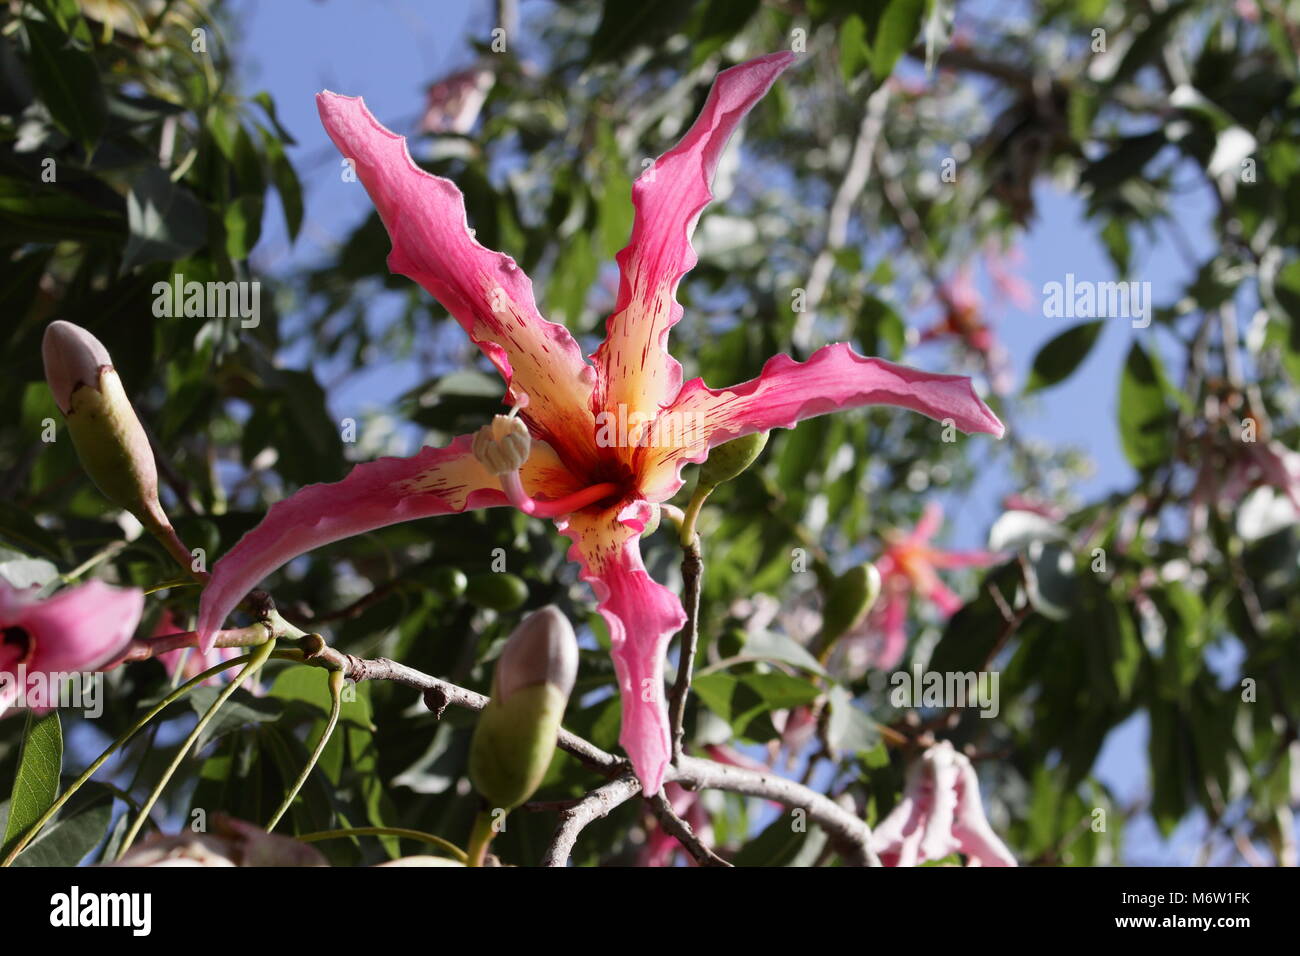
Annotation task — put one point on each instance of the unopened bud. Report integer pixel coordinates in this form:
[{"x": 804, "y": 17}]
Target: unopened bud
[
  {"x": 502, "y": 446},
  {"x": 850, "y": 597},
  {"x": 515, "y": 737},
  {"x": 731, "y": 458},
  {"x": 109, "y": 438}
]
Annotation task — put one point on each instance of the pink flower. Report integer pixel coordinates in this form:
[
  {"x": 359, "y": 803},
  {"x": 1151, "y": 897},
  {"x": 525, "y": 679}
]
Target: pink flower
[
  {"x": 190, "y": 662},
  {"x": 232, "y": 843},
  {"x": 940, "y": 814},
  {"x": 607, "y": 438},
  {"x": 453, "y": 103},
  {"x": 661, "y": 847},
  {"x": 963, "y": 319},
  {"x": 83, "y": 628},
  {"x": 1032, "y": 503},
  {"x": 909, "y": 566}
]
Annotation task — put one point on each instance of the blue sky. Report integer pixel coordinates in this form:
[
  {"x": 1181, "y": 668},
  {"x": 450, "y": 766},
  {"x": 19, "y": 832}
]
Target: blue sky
[{"x": 389, "y": 51}]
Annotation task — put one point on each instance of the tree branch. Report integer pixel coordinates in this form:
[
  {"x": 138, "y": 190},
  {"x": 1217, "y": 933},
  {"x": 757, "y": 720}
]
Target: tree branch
[{"x": 692, "y": 573}]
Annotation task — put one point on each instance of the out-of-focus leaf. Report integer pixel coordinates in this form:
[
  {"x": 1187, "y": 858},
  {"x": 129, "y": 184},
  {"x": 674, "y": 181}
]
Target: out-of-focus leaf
[
  {"x": 1059, "y": 358},
  {"x": 166, "y": 222},
  {"x": 1144, "y": 419}
]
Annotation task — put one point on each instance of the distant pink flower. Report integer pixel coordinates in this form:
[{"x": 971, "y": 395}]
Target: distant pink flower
[
  {"x": 570, "y": 463},
  {"x": 939, "y": 814},
  {"x": 1033, "y": 504},
  {"x": 908, "y": 567},
  {"x": 190, "y": 662},
  {"x": 83, "y": 628},
  {"x": 963, "y": 319},
  {"x": 661, "y": 847},
  {"x": 453, "y": 103},
  {"x": 1263, "y": 463},
  {"x": 1004, "y": 269}
]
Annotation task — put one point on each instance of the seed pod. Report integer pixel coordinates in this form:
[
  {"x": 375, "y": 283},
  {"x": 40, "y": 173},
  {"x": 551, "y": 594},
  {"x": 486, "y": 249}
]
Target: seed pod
[
  {"x": 850, "y": 597},
  {"x": 108, "y": 436},
  {"x": 731, "y": 458},
  {"x": 449, "y": 582},
  {"x": 497, "y": 591},
  {"x": 515, "y": 736}
]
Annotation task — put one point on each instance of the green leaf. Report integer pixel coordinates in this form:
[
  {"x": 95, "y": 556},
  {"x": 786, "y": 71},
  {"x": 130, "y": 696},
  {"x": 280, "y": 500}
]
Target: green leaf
[
  {"x": 1144, "y": 420},
  {"x": 849, "y": 728},
  {"x": 786, "y": 841},
  {"x": 855, "y": 53},
  {"x": 1059, "y": 358},
  {"x": 36, "y": 784},
  {"x": 243, "y": 222},
  {"x": 166, "y": 222},
  {"x": 68, "y": 81},
  {"x": 739, "y": 700},
  {"x": 70, "y": 838},
  {"x": 895, "y": 34}
]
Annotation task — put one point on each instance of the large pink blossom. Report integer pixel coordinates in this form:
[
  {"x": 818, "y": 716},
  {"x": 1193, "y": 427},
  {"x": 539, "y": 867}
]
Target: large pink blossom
[
  {"x": 83, "y": 628},
  {"x": 939, "y": 814},
  {"x": 909, "y": 567},
  {"x": 601, "y": 490}
]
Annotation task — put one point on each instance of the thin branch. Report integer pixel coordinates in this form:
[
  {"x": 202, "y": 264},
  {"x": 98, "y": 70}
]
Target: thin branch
[
  {"x": 850, "y": 835},
  {"x": 590, "y": 808},
  {"x": 679, "y": 828},
  {"x": 692, "y": 574}
]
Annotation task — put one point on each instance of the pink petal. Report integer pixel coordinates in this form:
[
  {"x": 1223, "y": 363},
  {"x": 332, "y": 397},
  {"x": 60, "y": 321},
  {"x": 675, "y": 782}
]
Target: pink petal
[
  {"x": 80, "y": 628},
  {"x": 635, "y": 367},
  {"x": 964, "y": 559},
  {"x": 928, "y": 524},
  {"x": 437, "y": 481},
  {"x": 942, "y": 597},
  {"x": 486, "y": 292},
  {"x": 642, "y": 616},
  {"x": 893, "y": 623},
  {"x": 786, "y": 392},
  {"x": 971, "y": 828},
  {"x": 939, "y": 764}
]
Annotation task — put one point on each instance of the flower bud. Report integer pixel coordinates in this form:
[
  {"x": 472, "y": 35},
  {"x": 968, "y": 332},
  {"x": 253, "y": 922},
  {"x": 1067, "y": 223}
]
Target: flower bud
[
  {"x": 850, "y": 597},
  {"x": 515, "y": 737},
  {"x": 109, "y": 438},
  {"x": 731, "y": 458},
  {"x": 502, "y": 446}
]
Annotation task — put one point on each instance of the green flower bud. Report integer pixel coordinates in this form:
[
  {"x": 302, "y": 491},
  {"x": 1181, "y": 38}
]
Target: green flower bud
[
  {"x": 731, "y": 458},
  {"x": 497, "y": 591},
  {"x": 515, "y": 736},
  {"x": 850, "y": 597},
  {"x": 108, "y": 436}
]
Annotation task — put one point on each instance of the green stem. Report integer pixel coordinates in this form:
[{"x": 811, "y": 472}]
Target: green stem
[
  {"x": 336, "y": 679},
  {"x": 480, "y": 837},
  {"x": 455, "y": 852},
  {"x": 116, "y": 745},
  {"x": 256, "y": 659},
  {"x": 687, "y": 531},
  {"x": 97, "y": 558}
]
